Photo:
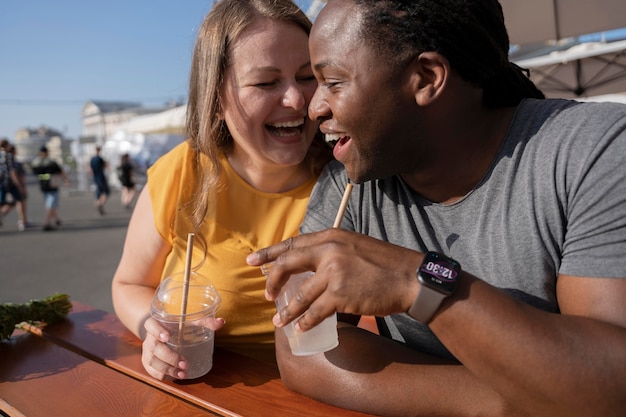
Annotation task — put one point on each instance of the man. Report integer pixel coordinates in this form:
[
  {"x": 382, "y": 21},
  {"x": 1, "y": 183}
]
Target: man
[
  {"x": 98, "y": 169},
  {"x": 520, "y": 308},
  {"x": 10, "y": 184},
  {"x": 50, "y": 176}
]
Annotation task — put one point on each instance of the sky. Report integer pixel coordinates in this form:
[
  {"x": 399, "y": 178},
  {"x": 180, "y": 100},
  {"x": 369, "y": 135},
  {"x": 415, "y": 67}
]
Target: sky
[{"x": 55, "y": 55}]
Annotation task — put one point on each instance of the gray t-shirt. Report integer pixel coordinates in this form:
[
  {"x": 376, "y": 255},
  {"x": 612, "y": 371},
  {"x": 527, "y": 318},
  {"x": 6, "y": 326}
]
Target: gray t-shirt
[{"x": 553, "y": 201}]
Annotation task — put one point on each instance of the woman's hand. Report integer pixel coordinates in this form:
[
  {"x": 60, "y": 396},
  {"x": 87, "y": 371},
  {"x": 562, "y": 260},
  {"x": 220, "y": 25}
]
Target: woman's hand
[{"x": 158, "y": 358}]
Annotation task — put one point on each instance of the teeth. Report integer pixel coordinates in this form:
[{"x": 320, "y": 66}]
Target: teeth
[
  {"x": 294, "y": 123},
  {"x": 331, "y": 138}
]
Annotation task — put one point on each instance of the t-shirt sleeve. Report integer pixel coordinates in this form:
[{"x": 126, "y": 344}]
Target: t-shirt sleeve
[
  {"x": 168, "y": 177},
  {"x": 596, "y": 220}
]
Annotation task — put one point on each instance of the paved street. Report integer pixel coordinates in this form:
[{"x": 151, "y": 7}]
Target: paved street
[{"x": 78, "y": 259}]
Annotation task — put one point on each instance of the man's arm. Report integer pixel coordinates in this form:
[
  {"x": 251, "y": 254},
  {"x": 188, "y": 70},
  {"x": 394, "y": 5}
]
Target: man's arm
[
  {"x": 568, "y": 364},
  {"x": 372, "y": 374},
  {"x": 512, "y": 354},
  {"x": 517, "y": 360}
]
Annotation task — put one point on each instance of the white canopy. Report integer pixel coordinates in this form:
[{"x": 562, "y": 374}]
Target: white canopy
[
  {"x": 589, "y": 68},
  {"x": 530, "y": 21},
  {"x": 171, "y": 121},
  {"x": 614, "y": 98}
]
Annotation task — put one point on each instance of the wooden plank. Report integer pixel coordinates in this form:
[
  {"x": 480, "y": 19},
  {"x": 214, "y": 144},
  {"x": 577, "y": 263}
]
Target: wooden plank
[
  {"x": 237, "y": 385},
  {"x": 8, "y": 410},
  {"x": 40, "y": 379}
]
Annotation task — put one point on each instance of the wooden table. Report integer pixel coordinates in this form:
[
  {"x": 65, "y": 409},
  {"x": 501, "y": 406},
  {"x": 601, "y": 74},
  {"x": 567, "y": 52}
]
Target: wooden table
[{"x": 90, "y": 365}]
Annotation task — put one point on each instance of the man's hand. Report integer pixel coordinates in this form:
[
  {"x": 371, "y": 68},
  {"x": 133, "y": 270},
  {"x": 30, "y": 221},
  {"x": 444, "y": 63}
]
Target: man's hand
[{"x": 354, "y": 274}]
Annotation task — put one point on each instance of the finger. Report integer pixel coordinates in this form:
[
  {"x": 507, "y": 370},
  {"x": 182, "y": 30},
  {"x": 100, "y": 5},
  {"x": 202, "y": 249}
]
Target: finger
[
  {"x": 306, "y": 294},
  {"x": 156, "y": 330},
  {"x": 159, "y": 369},
  {"x": 294, "y": 262},
  {"x": 270, "y": 253},
  {"x": 160, "y": 360},
  {"x": 147, "y": 365},
  {"x": 314, "y": 294},
  {"x": 214, "y": 323},
  {"x": 319, "y": 311}
]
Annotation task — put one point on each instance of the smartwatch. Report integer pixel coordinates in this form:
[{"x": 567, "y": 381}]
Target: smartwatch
[{"x": 437, "y": 277}]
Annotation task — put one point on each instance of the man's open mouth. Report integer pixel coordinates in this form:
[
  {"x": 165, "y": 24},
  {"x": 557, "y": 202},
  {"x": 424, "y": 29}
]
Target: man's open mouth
[{"x": 333, "y": 139}]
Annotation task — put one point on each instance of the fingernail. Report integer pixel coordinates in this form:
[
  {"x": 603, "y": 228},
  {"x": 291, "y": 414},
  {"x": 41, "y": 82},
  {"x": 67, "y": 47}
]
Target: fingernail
[
  {"x": 163, "y": 337},
  {"x": 276, "y": 320},
  {"x": 252, "y": 258}
]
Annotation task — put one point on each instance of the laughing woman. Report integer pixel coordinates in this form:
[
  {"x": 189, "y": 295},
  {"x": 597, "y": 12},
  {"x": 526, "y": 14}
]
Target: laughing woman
[{"x": 240, "y": 182}]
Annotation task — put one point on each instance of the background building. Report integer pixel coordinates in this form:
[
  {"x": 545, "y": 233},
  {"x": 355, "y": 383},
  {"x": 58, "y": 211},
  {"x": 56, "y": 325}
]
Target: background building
[{"x": 28, "y": 141}]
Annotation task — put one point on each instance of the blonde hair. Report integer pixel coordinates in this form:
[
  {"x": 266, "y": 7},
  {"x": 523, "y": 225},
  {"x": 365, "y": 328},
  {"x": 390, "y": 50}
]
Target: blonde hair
[{"x": 207, "y": 134}]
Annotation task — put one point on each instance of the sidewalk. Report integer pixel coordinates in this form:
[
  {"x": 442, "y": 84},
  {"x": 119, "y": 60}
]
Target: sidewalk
[{"x": 79, "y": 258}]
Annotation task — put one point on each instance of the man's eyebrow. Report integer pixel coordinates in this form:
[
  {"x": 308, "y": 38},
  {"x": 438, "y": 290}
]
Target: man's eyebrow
[{"x": 321, "y": 65}]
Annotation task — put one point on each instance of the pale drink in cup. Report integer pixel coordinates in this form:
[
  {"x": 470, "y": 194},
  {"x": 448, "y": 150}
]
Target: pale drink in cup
[
  {"x": 318, "y": 339},
  {"x": 190, "y": 334}
]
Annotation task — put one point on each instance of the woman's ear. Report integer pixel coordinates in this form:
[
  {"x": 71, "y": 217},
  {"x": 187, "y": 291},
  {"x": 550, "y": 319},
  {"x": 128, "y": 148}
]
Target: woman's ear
[{"x": 430, "y": 72}]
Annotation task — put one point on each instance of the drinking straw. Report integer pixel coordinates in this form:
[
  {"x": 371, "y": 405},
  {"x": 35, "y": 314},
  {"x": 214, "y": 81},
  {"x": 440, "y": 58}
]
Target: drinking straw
[
  {"x": 187, "y": 274},
  {"x": 342, "y": 207}
]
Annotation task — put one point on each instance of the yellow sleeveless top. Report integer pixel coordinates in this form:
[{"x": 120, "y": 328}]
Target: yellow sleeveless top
[{"x": 240, "y": 220}]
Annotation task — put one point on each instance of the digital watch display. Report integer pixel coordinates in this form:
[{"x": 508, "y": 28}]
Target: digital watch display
[
  {"x": 439, "y": 272},
  {"x": 438, "y": 276}
]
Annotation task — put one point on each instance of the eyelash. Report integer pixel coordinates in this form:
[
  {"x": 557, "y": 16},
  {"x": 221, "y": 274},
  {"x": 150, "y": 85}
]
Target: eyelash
[
  {"x": 330, "y": 85},
  {"x": 272, "y": 83}
]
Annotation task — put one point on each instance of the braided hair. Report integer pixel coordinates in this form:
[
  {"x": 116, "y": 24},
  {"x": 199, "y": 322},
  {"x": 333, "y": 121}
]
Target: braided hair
[{"x": 469, "y": 33}]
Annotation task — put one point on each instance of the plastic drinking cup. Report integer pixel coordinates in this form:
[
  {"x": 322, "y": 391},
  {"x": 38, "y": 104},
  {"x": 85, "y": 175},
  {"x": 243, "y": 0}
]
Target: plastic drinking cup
[
  {"x": 318, "y": 339},
  {"x": 190, "y": 334}
]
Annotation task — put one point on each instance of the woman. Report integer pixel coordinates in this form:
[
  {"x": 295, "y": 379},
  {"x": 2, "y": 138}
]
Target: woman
[{"x": 242, "y": 179}]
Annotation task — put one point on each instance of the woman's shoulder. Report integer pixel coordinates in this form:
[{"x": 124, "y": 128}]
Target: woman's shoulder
[{"x": 172, "y": 161}]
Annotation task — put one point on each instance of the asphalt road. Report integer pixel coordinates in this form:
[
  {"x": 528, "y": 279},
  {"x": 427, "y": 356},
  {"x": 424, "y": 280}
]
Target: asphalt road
[{"x": 79, "y": 258}]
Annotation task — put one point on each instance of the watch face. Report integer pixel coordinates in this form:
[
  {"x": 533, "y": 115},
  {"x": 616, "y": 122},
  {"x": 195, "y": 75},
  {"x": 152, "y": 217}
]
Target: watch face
[{"x": 440, "y": 272}]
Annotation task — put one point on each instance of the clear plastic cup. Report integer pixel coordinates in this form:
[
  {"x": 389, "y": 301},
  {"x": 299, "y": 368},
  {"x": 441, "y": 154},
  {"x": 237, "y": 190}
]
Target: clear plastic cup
[
  {"x": 190, "y": 334},
  {"x": 318, "y": 339}
]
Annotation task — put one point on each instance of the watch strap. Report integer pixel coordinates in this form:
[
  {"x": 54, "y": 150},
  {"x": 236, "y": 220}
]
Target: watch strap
[{"x": 426, "y": 303}]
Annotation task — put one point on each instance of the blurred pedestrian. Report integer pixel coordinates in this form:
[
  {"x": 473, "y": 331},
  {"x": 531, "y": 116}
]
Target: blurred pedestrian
[
  {"x": 10, "y": 185},
  {"x": 51, "y": 176},
  {"x": 98, "y": 170},
  {"x": 126, "y": 175},
  {"x": 21, "y": 207}
]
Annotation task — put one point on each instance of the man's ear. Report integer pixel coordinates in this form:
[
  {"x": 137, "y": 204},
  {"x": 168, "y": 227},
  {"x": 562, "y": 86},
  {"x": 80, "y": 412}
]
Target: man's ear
[{"x": 430, "y": 72}]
